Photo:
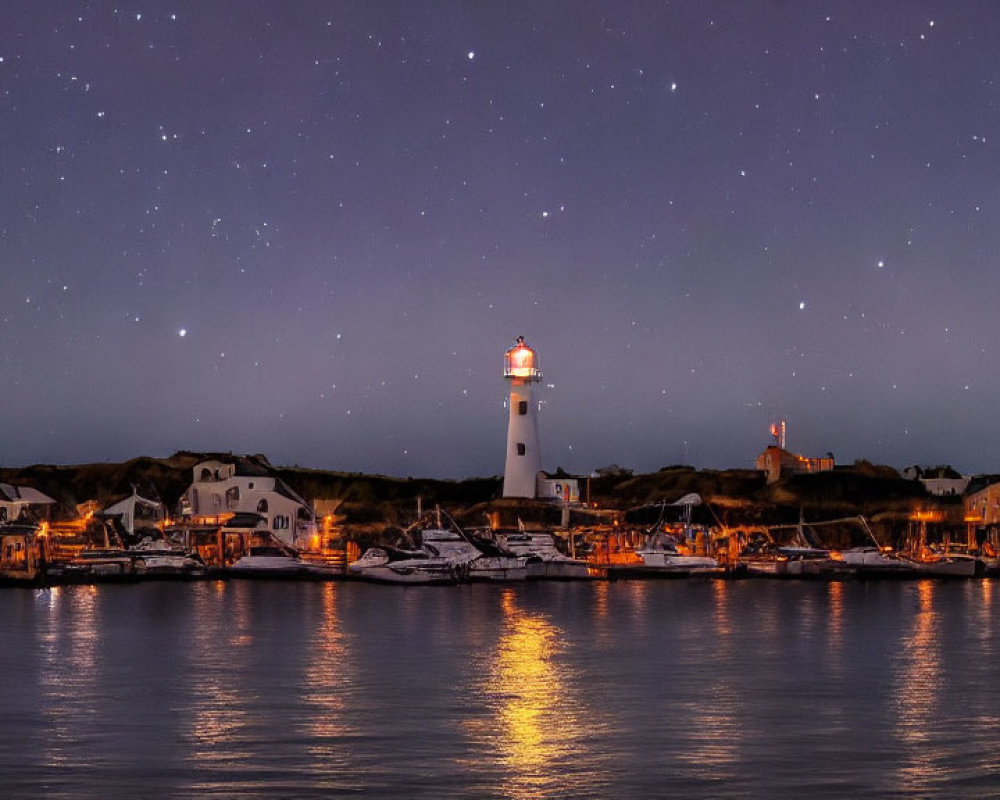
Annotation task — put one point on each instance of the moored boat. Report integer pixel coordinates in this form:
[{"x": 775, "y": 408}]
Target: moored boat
[
  {"x": 160, "y": 559},
  {"x": 875, "y": 562},
  {"x": 470, "y": 560},
  {"x": 268, "y": 561},
  {"x": 661, "y": 558},
  {"x": 946, "y": 565},
  {"x": 412, "y": 567},
  {"x": 94, "y": 566},
  {"x": 544, "y": 559}
]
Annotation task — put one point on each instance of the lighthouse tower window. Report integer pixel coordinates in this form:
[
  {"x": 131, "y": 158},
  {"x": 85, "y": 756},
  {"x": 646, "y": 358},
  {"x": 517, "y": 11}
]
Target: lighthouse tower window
[
  {"x": 521, "y": 449},
  {"x": 522, "y": 408}
]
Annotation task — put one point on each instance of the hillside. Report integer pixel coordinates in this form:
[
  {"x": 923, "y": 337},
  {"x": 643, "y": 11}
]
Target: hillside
[{"x": 374, "y": 502}]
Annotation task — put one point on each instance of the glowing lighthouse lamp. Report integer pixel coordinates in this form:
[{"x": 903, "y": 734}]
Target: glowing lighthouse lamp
[{"x": 524, "y": 457}]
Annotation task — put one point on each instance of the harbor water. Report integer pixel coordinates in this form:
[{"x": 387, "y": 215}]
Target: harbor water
[{"x": 697, "y": 688}]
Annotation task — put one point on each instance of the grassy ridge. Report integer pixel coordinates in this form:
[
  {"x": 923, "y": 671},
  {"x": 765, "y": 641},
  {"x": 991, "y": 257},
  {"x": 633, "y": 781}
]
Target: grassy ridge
[{"x": 372, "y": 501}]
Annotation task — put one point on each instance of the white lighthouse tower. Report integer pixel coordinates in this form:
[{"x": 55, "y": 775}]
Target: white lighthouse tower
[{"x": 524, "y": 457}]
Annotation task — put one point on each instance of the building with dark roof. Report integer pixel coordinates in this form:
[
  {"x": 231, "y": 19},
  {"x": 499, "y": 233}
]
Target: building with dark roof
[{"x": 246, "y": 485}]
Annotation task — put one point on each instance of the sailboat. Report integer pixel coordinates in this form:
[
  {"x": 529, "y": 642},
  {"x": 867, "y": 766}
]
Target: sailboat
[{"x": 662, "y": 555}]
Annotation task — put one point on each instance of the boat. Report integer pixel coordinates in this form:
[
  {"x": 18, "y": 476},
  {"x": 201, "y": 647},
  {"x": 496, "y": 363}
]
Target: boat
[
  {"x": 813, "y": 562},
  {"x": 946, "y": 565},
  {"x": 767, "y": 560},
  {"x": 870, "y": 561},
  {"x": 161, "y": 559},
  {"x": 483, "y": 561},
  {"x": 269, "y": 561},
  {"x": 544, "y": 559},
  {"x": 443, "y": 556},
  {"x": 395, "y": 565},
  {"x": 96, "y": 565},
  {"x": 661, "y": 558}
]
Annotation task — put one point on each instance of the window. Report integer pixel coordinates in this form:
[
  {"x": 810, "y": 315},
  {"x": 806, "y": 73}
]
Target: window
[
  {"x": 206, "y": 474},
  {"x": 522, "y": 407},
  {"x": 262, "y": 507},
  {"x": 521, "y": 449}
]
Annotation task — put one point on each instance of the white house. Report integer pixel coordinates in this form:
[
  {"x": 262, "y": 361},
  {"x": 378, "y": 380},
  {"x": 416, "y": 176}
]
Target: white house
[
  {"x": 939, "y": 481},
  {"x": 15, "y": 500},
  {"x": 247, "y": 485},
  {"x": 556, "y": 488}
]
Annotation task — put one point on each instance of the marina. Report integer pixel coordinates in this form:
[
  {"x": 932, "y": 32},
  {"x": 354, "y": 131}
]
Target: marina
[{"x": 452, "y": 557}]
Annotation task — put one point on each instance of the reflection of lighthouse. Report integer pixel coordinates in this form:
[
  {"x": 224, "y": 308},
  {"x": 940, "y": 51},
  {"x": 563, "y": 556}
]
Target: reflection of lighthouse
[{"x": 524, "y": 458}]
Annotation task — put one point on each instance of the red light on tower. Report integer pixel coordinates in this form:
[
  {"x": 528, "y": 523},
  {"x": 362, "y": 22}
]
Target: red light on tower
[
  {"x": 778, "y": 432},
  {"x": 521, "y": 362}
]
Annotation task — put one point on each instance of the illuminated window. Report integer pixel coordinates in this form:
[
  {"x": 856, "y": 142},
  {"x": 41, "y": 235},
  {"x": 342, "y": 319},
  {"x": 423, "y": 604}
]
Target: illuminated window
[
  {"x": 522, "y": 407},
  {"x": 521, "y": 449}
]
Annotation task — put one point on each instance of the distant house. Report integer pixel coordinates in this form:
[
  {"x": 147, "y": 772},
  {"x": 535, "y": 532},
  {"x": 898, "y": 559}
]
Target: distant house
[
  {"x": 18, "y": 500},
  {"x": 247, "y": 485},
  {"x": 775, "y": 461},
  {"x": 560, "y": 488},
  {"x": 982, "y": 501},
  {"x": 940, "y": 481}
]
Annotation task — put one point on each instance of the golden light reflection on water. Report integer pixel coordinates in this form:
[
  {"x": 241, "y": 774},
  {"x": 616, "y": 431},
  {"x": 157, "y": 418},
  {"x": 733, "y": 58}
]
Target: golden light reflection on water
[
  {"x": 986, "y": 603},
  {"x": 327, "y": 681},
  {"x": 219, "y": 709},
  {"x": 917, "y": 689},
  {"x": 835, "y": 626},
  {"x": 536, "y": 720},
  {"x": 67, "y": 671},
  {"x": 600, "y": 604},
  {"x": 720, "y": 609},
  {"x": 716, "y": 729}
]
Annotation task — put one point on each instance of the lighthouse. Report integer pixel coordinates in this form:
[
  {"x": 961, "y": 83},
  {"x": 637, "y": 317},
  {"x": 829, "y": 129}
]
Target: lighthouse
[{"x": 524, "y": 458}]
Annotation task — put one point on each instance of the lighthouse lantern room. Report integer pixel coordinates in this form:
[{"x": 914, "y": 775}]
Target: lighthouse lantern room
[{"x": 524, "y": 458}]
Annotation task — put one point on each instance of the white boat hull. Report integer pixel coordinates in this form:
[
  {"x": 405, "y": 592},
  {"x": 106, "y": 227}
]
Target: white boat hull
[
  {"x": 497, "y": 568},
  {"x": 409, "y": 573},
  {"x": 947, "y": 568},
  {"x": 568, "y": 570}
]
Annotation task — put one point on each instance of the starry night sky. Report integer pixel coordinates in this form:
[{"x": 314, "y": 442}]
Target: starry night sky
[{"x": 311, "y": 229}]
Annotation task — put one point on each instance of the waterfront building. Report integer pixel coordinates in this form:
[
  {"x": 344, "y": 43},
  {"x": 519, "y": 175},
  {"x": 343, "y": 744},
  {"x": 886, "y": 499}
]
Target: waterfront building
[
  {"x": 23, "y": 553},
  {"x": 982, "y": 508},
  {"x": 776, "y": 460},
  {"x": 247, "y": 485}
]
